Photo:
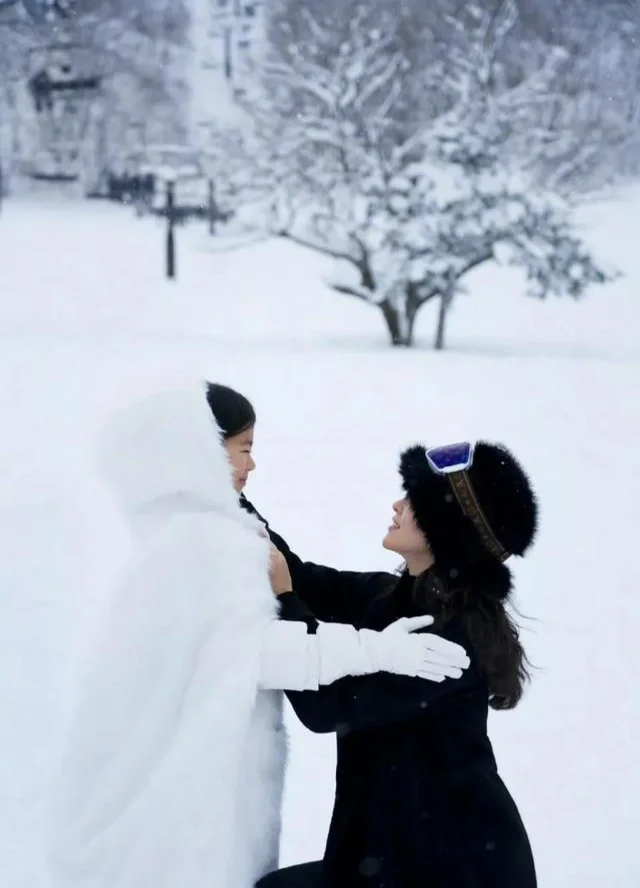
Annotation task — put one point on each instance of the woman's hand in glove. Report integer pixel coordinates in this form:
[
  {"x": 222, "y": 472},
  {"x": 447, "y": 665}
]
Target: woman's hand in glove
[{"x": 399, "y": 650}]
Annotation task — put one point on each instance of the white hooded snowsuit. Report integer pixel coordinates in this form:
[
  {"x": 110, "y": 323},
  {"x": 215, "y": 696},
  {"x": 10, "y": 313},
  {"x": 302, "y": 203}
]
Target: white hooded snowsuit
[{"x": 174, "y": 763}]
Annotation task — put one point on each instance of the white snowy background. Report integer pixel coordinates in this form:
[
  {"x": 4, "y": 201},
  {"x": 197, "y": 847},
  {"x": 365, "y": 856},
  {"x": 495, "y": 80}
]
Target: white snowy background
[{"x": 85, "y": 311}]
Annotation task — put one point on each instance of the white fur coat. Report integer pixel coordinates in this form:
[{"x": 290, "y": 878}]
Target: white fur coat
[{"x": 174, "y": 763}]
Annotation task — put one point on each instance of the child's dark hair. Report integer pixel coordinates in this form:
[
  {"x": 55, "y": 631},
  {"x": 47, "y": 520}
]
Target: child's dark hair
[{"x": 232, "y": 411}]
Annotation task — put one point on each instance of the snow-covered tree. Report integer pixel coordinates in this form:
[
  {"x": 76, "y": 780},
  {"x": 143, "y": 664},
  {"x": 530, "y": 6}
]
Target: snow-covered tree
[
  {"x": 409, "y": 205},
  {"x": 585, "y": 134},
  {"x": 15, "y": 43}
]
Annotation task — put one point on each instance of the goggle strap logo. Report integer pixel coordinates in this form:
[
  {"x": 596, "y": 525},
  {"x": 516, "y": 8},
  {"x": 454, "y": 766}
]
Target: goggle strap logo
[{"x": 468, "y": 501}]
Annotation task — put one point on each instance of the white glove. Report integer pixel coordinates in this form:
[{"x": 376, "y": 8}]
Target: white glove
[
  {"x": 426, "y": 655},
  {"x": 341, "y": 650}
]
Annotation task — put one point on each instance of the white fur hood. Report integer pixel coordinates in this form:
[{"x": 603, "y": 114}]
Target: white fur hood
[{"x": 164, "y": 452}]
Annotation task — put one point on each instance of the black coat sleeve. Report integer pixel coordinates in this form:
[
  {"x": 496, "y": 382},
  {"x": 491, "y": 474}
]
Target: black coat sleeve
[
  {"x": 334, "y": 596},
  {"x": 292, "y": 608},
  {"x": 373, "y": 701}
]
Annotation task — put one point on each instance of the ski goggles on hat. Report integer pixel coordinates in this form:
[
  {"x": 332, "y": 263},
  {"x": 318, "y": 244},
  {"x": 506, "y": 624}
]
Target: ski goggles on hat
[
  {"x": 453, "y": 461},
  {"x": 451, "y": 458}
]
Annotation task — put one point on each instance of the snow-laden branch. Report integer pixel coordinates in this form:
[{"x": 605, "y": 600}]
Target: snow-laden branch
[
  {"x": 315, "y": 246},
  {"x": 352, "y": 290}
]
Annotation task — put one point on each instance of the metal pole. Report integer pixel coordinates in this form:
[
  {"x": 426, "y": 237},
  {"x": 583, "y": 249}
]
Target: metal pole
[
  {"x": 171, "y": 241},
  {"x": 212, "y": 208}
]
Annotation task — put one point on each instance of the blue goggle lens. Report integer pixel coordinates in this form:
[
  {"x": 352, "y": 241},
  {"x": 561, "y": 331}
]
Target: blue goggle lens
[{"x": 450, "y": 458}]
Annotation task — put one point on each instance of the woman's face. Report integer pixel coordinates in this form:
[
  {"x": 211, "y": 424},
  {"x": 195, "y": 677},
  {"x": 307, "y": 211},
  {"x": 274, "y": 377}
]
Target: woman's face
[
  {"x": 405, "y": 537},
  {"x": 239, "y": 449}
]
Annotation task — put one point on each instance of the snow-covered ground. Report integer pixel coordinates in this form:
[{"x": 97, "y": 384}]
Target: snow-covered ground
[{"x": 84, "y": 312}]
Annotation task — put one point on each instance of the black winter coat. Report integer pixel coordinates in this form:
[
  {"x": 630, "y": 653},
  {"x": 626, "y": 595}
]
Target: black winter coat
[{"x": 419, "y": 801}]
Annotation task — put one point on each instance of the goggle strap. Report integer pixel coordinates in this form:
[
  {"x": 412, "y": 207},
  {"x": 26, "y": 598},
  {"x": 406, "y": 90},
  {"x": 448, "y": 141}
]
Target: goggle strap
[{"x": 468, "y": 501}]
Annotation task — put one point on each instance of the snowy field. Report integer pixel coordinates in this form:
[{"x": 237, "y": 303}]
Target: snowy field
[{"x": 84, "y": 312}]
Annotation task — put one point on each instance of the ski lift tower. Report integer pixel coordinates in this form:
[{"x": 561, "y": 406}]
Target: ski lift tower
[
  {"x": 66, "y": 91},
  {"x": 227, "y": 38}
]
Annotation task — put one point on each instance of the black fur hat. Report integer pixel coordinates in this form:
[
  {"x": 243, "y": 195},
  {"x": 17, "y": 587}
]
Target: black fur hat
[{"x": 466, "y": 550}]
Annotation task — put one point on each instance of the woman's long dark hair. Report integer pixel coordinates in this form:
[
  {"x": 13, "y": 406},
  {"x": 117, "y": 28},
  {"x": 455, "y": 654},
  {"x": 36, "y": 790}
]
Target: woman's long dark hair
[{"x": 492, "y": 632}]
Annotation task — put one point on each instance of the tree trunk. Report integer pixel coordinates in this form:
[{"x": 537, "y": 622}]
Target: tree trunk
[
  {"x": 446, "y": 300},
  {"x": 400, "y": 322}
]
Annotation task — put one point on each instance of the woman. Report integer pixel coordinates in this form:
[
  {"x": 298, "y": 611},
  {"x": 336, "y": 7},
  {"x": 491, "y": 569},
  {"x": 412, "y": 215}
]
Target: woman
[
  {"x": 174, "y": 762},
  {"x": 419, "y": 801}
]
